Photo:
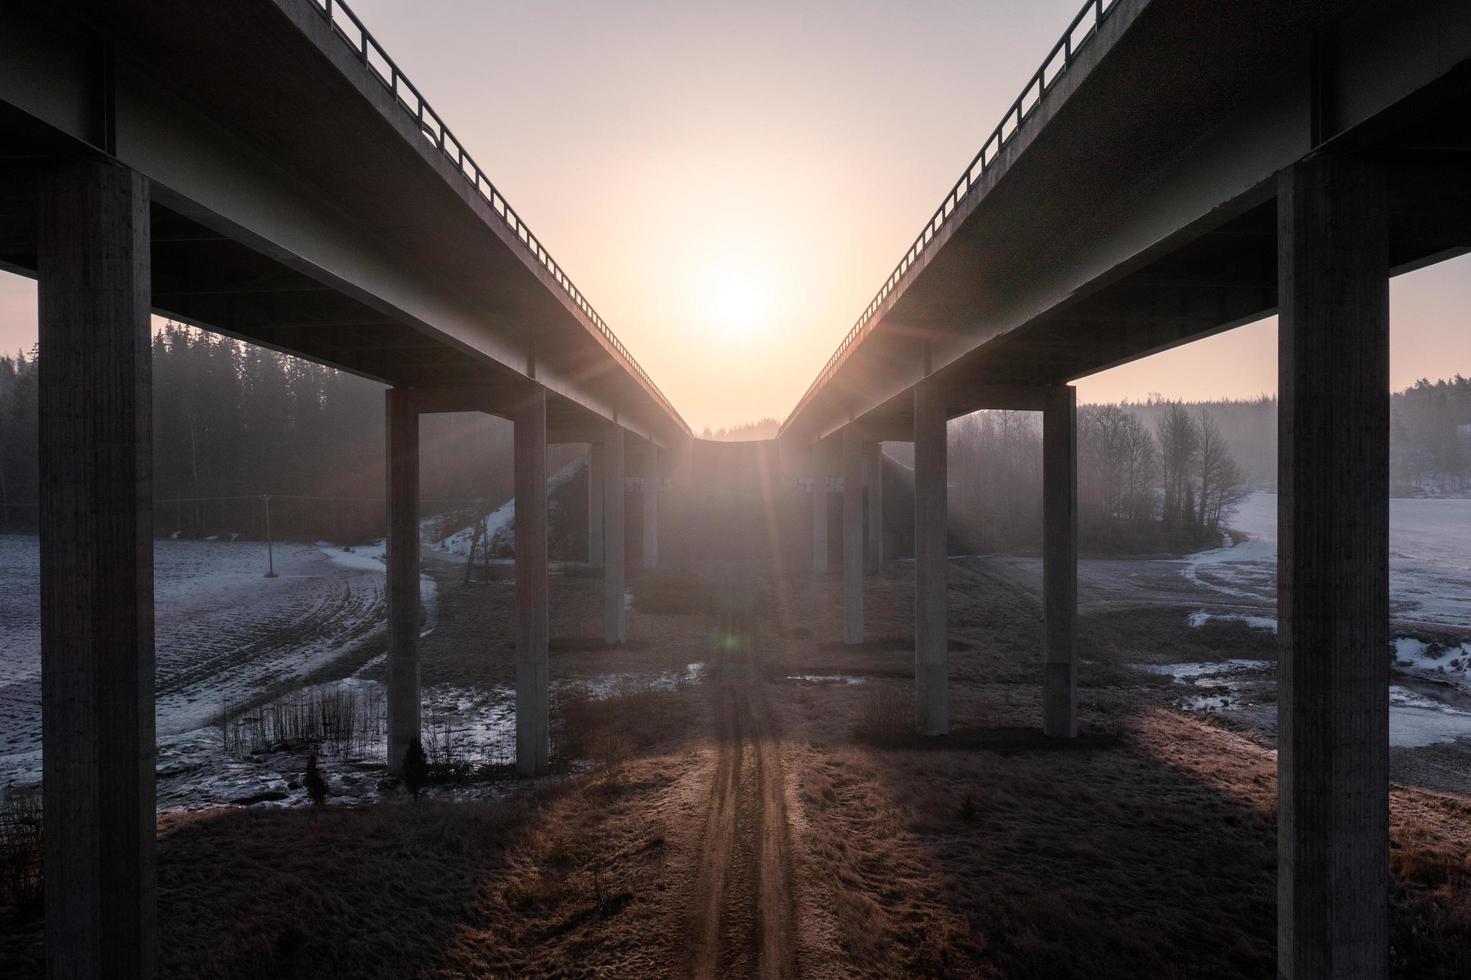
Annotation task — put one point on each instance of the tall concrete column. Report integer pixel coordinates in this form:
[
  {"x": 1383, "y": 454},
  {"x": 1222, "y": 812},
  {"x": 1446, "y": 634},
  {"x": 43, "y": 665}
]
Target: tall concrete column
[
  {"x": 613, "y": 506},
  {"x": 931, "y": 526},
  {"x": 875, "y": 481},
  {"x": 1333, "y": 571},
  {"x": 96, "y": 523},
  {"x": 596, "y": 461},
  {"x": 852, "y": 538},
  {"x": 403, "y": 574},
  {"x": 819, "y": 519},
  {"x": 1060, "y": 561},
  {"x": 532, "y": 703},
  {"x": 680, "y": 506},
  {"x": 651, "y": 506}
]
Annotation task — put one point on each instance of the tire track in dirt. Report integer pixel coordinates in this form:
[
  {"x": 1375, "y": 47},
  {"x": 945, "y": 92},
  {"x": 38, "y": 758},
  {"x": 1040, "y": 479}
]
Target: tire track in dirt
[{"x": 744, "y": 915}]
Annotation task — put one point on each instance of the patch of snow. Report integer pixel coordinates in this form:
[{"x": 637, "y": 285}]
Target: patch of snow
[
  {"x": 498, "y": 528},
  {"x": 1200, "y": 617},
  {"x": 839, "y": 679},
  {"x": 364, "y": 558}
]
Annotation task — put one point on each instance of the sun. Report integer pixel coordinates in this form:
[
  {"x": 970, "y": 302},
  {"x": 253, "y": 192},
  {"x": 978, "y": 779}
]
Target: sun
[{"x": 738, "y": 303}]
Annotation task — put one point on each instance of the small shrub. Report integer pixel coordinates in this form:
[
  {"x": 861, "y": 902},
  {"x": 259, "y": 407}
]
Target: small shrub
[
  {"x": 416, "y": 767},
  {"x": 20, "y": 847},
  {"x": 885, "y": 717},
  {"x": 316, "y": 786},
  {"x": 610, "y": 748},
  {"x": 610, "y": 730}
]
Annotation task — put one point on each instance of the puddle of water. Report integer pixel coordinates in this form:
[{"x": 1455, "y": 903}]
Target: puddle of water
[
  {"x": 1419, "y": 715},
  {"x": 1416, "y": 720},
  {"x": 1215, "y": 668}
]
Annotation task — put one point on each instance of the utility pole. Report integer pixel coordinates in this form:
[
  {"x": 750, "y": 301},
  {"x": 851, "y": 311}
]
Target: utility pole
[{"x": 270, "y": 551}]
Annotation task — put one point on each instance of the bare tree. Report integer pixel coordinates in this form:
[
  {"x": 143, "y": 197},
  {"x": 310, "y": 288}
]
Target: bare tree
[
  {"x": 1179, "y": 447},
  {"x": 1222, "y": 481}
]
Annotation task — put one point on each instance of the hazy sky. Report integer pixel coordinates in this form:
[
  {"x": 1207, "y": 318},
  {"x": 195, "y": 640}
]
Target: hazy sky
[{"x": 729, "y": 183}]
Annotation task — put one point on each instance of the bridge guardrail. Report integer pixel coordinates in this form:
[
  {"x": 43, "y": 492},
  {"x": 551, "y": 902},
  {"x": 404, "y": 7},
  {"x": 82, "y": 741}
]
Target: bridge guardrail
[
  {"x": 371, "y": 53},
  {"x": 1083, "y": 28}
]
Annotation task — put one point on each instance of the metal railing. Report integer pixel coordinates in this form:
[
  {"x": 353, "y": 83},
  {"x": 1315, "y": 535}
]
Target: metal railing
[
  {"x": 1082, "y": 30},
  {"x": 350, "y": 30}
]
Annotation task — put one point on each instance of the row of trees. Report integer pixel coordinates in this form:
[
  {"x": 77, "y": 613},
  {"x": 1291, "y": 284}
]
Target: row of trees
[
  {"x": 1430, "y": 438},
  {"x": 1430, "y": 435},
  {"x": 1172, "y": 487},
  {"x": 233, "y": 422}
]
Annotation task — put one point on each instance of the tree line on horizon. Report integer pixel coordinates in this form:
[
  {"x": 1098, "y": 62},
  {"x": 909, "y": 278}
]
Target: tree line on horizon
[
  {"x": 234, "y": 422},
  {"x": 1170, "y": 487}
]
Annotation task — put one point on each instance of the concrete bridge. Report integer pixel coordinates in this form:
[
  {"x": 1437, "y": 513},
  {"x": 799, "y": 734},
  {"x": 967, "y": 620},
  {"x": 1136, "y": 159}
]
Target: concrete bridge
[{"x": 264, "y": 170}]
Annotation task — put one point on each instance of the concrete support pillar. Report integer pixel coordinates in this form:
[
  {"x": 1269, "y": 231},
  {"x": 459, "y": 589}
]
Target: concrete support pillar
[
  {"x": 596, "y": 456},
  {"x": 681, "y": 504},
  {"x": 96, "y": 523},
  {"x": 819, "y": 519},
  {"x": 852, "y": 538},
  {"x": 931, "y": 526},
  {"x": 1060, "y": 561},
  {"x": 875, "y": 466},
  {"x": 1333, "y": 571},
  {"x": 651, "y": 506},
  {"x": 532, "y": 701},
  {"x": 613, "y": 507},
  {"x": 403, "y": 574}
]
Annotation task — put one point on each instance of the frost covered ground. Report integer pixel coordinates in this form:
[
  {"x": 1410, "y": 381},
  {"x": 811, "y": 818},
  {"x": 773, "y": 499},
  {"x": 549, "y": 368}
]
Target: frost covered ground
[
  {"x": 225, "y": 634},
  {"x": 1430, "y": 593},
  {"x": 1429, "y": 560}
]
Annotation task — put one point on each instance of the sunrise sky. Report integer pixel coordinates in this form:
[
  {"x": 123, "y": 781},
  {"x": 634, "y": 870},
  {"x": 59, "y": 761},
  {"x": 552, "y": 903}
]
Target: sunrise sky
[{"x": 729, "y": 183}]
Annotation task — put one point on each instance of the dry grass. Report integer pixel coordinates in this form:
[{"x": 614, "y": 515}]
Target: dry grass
[
  {"x": 885, "y": 716},
  {"x": 571, "y": 879},
  {"x": 20, "y": 848},
  {"x": 675, "y": 592},
  {"x": 633, "y": 719}
]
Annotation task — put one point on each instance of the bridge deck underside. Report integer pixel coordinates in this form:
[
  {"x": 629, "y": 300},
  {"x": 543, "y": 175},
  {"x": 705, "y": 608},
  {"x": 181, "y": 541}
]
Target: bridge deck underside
[
  {"x": 208, "y": 279},
  {"x": 1135, "y": 208}
]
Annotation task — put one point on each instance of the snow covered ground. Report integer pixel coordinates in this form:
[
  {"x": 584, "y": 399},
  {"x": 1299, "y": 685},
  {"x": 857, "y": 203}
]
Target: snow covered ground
[
  {"x": 498, "y": 527},
  {"x": 1430, "y": 590},
  {"x": 1429, "y": 560},
  {"x": 224, "y": 633}
]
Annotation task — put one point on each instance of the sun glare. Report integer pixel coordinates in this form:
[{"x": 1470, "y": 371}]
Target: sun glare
[{"x": 738, "y": 303}]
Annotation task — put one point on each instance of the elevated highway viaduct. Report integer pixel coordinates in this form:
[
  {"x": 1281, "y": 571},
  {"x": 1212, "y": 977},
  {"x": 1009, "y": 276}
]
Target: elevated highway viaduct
[
  {"x": 1175, "y": 169},
  {"x": 264, "y": 170}
]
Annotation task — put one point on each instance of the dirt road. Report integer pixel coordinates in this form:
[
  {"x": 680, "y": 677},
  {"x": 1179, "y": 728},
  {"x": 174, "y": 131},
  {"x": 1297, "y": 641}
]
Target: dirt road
[{"x": 743, "y": 919}]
